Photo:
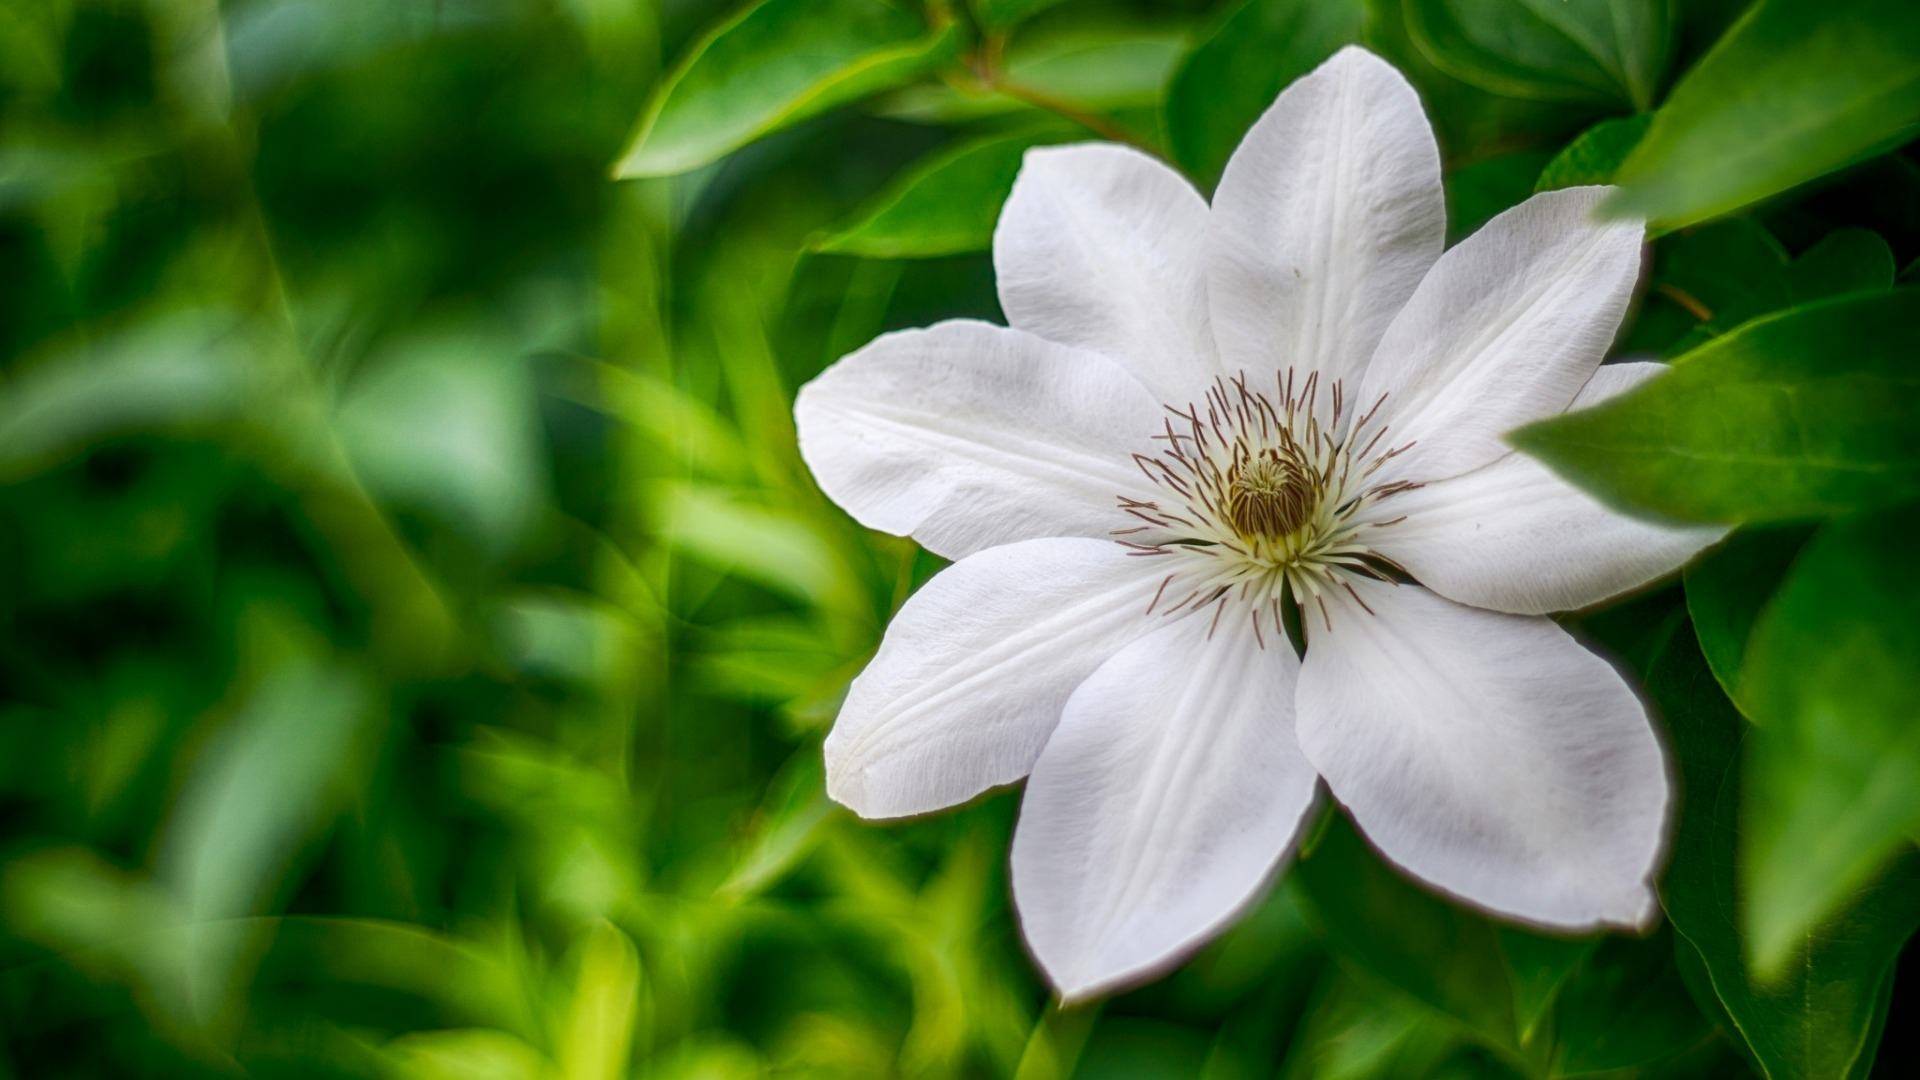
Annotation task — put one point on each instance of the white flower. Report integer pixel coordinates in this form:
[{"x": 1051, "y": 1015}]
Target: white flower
[{"x": 1196, "y": 409}]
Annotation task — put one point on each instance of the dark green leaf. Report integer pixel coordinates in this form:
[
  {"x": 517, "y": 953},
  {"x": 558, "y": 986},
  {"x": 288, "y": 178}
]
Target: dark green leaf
[
  {"x": 1539, "y": 966},
  {"x": 1434, "y": 951},
  {"x": 1591, "y": 51},
  {"x": 1627, "y": 1006},
  {"x": 1706, "y": 281},
  {"x": 777, "y": 62},
  {"x": 944, "y": 205},
  {"x": 1823, "y": 1017},
  {"x": 1847, "y": 260},
  {"x": 1458, "y": 962},
  {"x": 1236, "y": 71},
  {"x": 1808, "y": 413},
  {"x": 1476, "y": 192},
  {"x": 1356, "y": 1029},
  {"x": 1834, "y": 780},
  {"x": 1728, "y": 587},
  {"x": 1595, "y": 156},
  {"x": 1796, "y": 89}
]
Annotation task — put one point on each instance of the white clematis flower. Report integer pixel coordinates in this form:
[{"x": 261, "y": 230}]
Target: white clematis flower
[{"x": 1196, "y": 411}]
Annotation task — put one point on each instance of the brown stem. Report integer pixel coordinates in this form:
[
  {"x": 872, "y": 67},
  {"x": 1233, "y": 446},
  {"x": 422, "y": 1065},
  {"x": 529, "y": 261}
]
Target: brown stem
[
  {"x": 1093, "y": 122},
  {"x": 1686, "y": 300}
]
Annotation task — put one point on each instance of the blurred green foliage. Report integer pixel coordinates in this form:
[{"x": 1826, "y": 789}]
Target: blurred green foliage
[{"x": 417, "y": 629}]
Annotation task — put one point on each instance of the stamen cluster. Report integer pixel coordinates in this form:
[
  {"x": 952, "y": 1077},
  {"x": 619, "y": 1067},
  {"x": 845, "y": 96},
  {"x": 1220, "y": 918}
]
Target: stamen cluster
[{"x": 1260, "y": 496}]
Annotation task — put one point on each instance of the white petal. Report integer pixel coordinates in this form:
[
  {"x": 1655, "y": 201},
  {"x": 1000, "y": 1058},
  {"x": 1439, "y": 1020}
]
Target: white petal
[
  {"x": 1325, "y": 220},
  {"x": 975, "y": 668},
  {"x": 967, "y": 435},
  {"x": 1489, "y": 754},
  {"x": 1100, "y": 246},
  {"x": 1512, "y": 536},
  {"x": 1166, "y": 799},
  {"x": 1507, "y": 327}
]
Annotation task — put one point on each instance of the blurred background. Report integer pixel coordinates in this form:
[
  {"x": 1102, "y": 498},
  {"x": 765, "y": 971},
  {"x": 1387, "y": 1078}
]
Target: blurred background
[{"x": 417, "y": 629}]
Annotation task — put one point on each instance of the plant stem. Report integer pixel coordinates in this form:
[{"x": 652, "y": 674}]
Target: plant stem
[{"x": 1093, "y": 122}]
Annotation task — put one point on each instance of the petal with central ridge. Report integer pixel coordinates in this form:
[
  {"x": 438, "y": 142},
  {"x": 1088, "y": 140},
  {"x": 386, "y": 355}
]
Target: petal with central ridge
[
  {"x": 1489, "y": 754},
  {"x": 975, "y": 668},
  {"x": 1512, "y": 536},
  {"x": 1169, "y": 795},
  {"x": 966, "y": 435},
  {"x": 1506, "y": 329},
  {"x": 1326, "y": 218},
  {"x": 1101, "y": 247}
]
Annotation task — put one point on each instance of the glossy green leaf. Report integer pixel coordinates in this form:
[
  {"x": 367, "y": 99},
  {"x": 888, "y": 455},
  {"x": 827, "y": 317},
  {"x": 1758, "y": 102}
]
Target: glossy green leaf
[
  {"x": 946, "y": 204},
  {"x": 1812, "y": 412},
  {"x": 1823, "y": 1017},
  {"x": 1845, "y": 261},
  {"x": 1796, "y": 89},
  {"x": 773, "y": 64},
  {"x": 1729, "y": 586},
  {"x": 1101, "y": 70},
  {"x": 1595, "y": 155},
  {"x": 1230, "y": 77},
  {"x": 1834, "y": 767},
  {"x": 1591, "y": 51}
]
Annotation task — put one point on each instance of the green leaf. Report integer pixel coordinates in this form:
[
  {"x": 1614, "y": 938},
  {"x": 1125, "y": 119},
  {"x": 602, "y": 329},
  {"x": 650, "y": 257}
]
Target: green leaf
[
  {"x": 772, "y": 65},
  {"x": 1100, "y": 70},
  {"x": 1823, "y": 1017},
  {"x": 1595, "y": 155},
  {"x": 1604, "y": 52},
  {"x": 1728, "y": 587},
  {"x": 1230, "y": 77},
  {"x": 1834, "y": 782},
  {"x": 1477, "y": 192},
  {"x": 269, "y": 785},
  {"x": 946, "y": 204},
  {"x": 1803, "y": 414},
  {"x": 183, "y": 372},
  {"x": 596, "y": 1036},
  {"x": 447, "y": 423},
  {"x": 463, "y": 1054},
  {"x": 1000, "y": 14},
  {"x": 1628, "y": 1006},
  {"x": 1356, "y": 1030},
  {"x": 1706, "y": 281},
  {"x": 1846, "y": 260},
  {"x": 1455, "y": 961},
  {"x": 1796, "y": 89},
  {"x": 1538, "y": 967}
]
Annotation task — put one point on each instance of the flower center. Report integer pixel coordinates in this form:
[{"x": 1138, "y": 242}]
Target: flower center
[
  {"x": 1270, "y": 495},
  {"x": 1260, "y": 492}
]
